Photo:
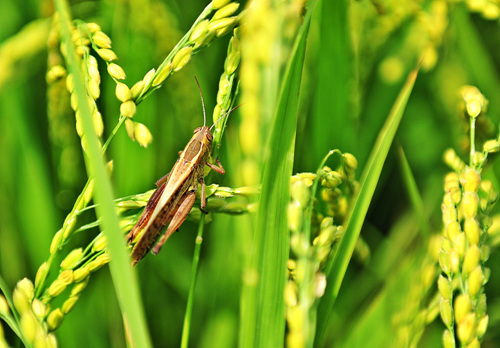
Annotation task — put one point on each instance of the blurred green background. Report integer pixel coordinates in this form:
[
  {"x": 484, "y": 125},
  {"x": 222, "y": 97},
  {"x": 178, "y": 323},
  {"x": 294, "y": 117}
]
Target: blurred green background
[{"x": 358, "y": 57}]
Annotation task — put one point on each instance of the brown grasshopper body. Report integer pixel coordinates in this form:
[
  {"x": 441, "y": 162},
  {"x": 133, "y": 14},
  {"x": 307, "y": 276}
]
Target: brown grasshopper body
[{"x": 173, "y": 199}]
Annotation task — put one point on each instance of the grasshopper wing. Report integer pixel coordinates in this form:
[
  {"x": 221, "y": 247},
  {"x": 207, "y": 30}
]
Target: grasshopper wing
[{"x": 147, "y": 213}]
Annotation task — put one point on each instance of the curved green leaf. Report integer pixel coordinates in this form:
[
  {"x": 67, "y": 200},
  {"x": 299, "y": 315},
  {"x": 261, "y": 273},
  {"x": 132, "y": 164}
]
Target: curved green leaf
[
  {"x": 125, "y": 285},
  {"x": 338, "y": 264}
]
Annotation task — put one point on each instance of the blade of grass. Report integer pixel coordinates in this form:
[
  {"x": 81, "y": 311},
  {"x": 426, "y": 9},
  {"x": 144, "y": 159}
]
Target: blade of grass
[
  {"x": 385, "y": 264},
  {"x": 338, "y": 264},
  {"x": 194, "y": 274},
  {"x": 264, "y": 301},
  {"x": 414, "y": 194},
  {"x": 373, "y": 324},
  {"x": 334, "y": 82},
  {"x": 125, "y": 285}
]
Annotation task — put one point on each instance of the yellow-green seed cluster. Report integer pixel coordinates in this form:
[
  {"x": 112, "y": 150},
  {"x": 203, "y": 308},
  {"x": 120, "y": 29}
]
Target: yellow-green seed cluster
[
  {"x": 464, "y": 251},
  {"x": 329, "y": 234},
  {"x": 202, "y": 33},
  {"x": 72, "y": 275},
  {"x": 221, "y": 23},
  {"x": 422, "y": 43},
  {"x": 300, "y": 292},
  {"x": 337, "y": 198},
  {"x": 69, "y": 273},
  {"x": 226, "y": 84},
  {"x": 465, "y": 245},
  {"x": 426, "y": 24},
  {"x": 488, "y": 9},
  {"x": 128, "y": 108},
  {"x": 61, "y": 127},
  {"x": 138, "y": 132},
  {"x": 307, "y": 282},
  {"x": 451, "y": 158},
  {"x": 33, "y": 324},
  {"x": 91, "y": 34},
  {"x": 258, "y": 36},
  {"x": 474, "y": 103},
  {"x": 82, "y": 37}
]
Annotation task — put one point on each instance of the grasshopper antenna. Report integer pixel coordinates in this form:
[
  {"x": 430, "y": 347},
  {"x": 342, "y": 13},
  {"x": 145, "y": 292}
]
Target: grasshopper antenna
[
  {"x": 220, "y": 118},
  {"x": 202, "y": 102}
]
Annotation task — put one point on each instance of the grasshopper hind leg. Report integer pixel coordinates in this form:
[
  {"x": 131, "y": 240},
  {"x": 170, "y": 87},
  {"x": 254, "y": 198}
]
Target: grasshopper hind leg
[
  {"x": 203, "y": 202},
  {"x": 181, "y": 213}
]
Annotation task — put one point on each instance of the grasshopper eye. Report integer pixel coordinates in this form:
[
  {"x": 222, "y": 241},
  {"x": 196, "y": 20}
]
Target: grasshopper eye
[{"x": 197, "y": 130}]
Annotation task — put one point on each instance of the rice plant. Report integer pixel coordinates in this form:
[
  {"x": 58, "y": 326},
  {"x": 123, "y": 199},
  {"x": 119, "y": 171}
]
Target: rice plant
[{"x": 357, "y": 207}]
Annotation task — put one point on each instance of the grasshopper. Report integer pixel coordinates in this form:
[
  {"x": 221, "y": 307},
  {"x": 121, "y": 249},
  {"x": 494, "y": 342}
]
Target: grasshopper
[{"x": 174, "y": 197}]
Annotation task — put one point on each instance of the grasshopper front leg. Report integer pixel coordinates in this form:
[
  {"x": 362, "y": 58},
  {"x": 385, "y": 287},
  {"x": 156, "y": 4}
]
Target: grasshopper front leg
[
  {"x": 185, "y": 205},
  {"x": 163, "y": 179},
  {"x": 203, "y": 199},
  {"x": 219, "y": 169}
]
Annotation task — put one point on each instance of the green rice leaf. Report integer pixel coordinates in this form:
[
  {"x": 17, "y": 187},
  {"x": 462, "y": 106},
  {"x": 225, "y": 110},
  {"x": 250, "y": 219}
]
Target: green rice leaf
[
  {"x": 264, "y": 301},
  {"x": 125, "y": 285},
  {"x": 338, "y": 264},
  {"x": 335, "y": 82},
  {"x": 415, "y": 198}
]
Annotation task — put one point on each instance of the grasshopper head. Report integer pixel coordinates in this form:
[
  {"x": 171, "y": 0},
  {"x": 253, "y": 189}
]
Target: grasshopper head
[{"x": 203, "y": 134}]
